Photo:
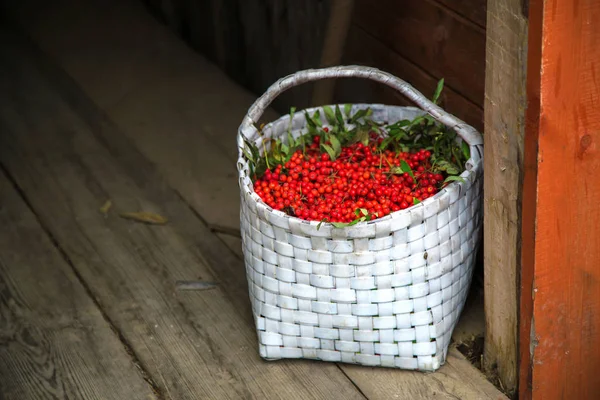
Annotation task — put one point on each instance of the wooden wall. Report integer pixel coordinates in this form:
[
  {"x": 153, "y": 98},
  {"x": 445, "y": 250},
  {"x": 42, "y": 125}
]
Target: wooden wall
[
  {"x": 421, "y": 41},
  {"x": 254, "y": 41},
  {"x": 258, "y": 41}
]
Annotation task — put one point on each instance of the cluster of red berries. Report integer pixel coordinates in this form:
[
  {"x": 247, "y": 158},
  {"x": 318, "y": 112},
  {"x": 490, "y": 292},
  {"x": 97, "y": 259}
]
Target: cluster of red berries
[{"x": 312, "y": 187}]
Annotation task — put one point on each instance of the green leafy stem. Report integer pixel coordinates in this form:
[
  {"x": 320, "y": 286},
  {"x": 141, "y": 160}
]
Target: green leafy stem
[{"x": 448, "y": 154}]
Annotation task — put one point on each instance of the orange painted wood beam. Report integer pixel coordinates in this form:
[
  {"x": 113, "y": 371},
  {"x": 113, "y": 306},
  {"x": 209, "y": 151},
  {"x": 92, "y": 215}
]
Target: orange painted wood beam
[{"x": 560, "y": 281}]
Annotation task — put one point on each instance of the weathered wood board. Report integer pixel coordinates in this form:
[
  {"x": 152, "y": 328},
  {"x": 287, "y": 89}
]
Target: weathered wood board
[
  {"x": 560, "y": 294},
  {"x": 100, "y": 162},
  {"x": 437, "y": 41},
  {"x": 381, "y": 56},
  {"x": 505, "y": 105},
  {"x": 194, "y": 345},
  {"x": 54, "y": 341}
]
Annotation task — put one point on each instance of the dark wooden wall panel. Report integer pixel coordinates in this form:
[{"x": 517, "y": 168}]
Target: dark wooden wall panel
[
  {"x": 474, "y": 11},
  {"x": 431, "y": 37},
  {"x": 364, "y": 49},
  {"x": 254, "y": 41},
  {"x": 258, "y": 41}
]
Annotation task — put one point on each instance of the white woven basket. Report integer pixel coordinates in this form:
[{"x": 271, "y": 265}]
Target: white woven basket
[{"x": 382, "y": 293}]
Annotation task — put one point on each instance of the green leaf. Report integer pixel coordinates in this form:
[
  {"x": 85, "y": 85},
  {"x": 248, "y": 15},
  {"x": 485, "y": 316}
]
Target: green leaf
[
  {"x": 317, "y": 118},
  {"x": 436, "y": 146},
  {"x": 406, "y": 168},
  {"x": 466, "y": 150},
  {"x": 292, "y": 111},
  {"x": 285, "y": 149},
  {"x": 321, "y": 223},
  {"x": 311, "y": 125},
  {"x": 386, "y": 142},
  {"x": 399, "y": 124},
  {"x": 260, "y": 169},
  {"x": 329, "y": 114},
  {"x": 247, "y": 153},
  {"x": 340, "y": 224},
  {"x": 329, "y": 151},
  {"x": 358, "y": 115},
  {"x": 452, "y": 169},
  {"x": 336, "y": 145},
  {"x": 416, "y": 121},
  {"x": 339, "y": 117},
  {"x": 438, "y": 91},
  {"x": 361, "y": 135},
  {"x": 347, "y": 109},
  {"x": 309, "y": 120},
  {"x": 454, "y": 178},
  {"x": 458, "y": 156},
  {"x": 364, "y": 211},
  {"x": 416, "y": 201}
]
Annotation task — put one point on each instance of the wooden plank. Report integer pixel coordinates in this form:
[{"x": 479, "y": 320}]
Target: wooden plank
[
  {"x": 194, "y": 345},
  {"x": 529, "y": 202},
  {"x": 431, "y": 37},
  {"x": 379, "y": 384},
  {"x": 503, "y": 154},
  {"x": 231, "y": 274},
  {"x": 234, "y": 244},
  {"x": 562, "y": 139},
  {"x": 457, "y": 380},
  {"x": 54, "y": 341},
  {"x": 473, "y": 10},
  {"x": 280, "y": 38},
  {"x": 340, "y": 18},
  {"x": 154, "y": 65},
  {"x": 364, "y": 49}
]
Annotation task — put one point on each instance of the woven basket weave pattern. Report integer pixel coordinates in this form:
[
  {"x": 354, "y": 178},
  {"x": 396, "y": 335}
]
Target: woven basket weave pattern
[{"x": 381, "y": 293}]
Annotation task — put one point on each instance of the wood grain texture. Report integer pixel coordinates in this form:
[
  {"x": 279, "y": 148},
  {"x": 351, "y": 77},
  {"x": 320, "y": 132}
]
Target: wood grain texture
[
  {"x": 255, "y": 41},
  {"x": 503, "y": 162},
  {"x": 280, "y": 38},
  {"x": 233, "y": 243},
  {"x": 192, "y": 112},
  {"x": 529, "y": 201},
  {"x": 226, "y": 266},
  {"x": 340, "y": 18},
  {"x": 194, "y": 345},
  {"x": 54, "y": 341},
  {"x": 565, "y": 324},
  {"x": 473, "y": 10},
  {"x": 432, "y": 38},
  {"x": 458, "y": 379},
  {"x": 364, "y": 49},
  {"x": 387, "y": 383}
]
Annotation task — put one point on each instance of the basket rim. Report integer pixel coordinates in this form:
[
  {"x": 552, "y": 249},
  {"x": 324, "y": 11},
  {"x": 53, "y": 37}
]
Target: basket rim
[{"x": 249, "y": 190}]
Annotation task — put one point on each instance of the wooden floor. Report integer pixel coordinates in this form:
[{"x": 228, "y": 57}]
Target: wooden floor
[{"x": 99, "y": 102}]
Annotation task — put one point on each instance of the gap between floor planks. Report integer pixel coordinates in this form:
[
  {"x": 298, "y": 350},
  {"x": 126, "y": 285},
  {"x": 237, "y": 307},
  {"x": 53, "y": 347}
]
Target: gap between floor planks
[
  {"x": 54, "y": 341},
  {"x": 195, "y": 345},
  {"x": 104, "y": 132}
]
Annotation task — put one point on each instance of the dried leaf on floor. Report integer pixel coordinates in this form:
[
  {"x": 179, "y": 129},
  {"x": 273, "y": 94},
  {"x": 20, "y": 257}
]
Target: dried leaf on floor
[
  {"x": 106, "y": 207},
  {"x": 145, "y": 217}
]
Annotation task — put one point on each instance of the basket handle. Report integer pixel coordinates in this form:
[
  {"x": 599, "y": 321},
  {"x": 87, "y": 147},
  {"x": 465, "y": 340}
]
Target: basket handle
[{"x": 469, "y": 134}]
